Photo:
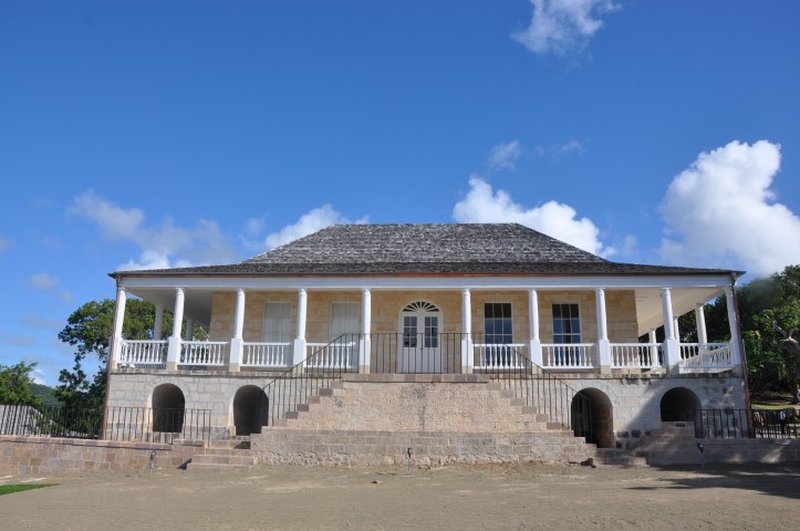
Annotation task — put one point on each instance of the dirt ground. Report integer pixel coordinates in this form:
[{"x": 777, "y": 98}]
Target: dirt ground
[{"x": 519, "y": 497}]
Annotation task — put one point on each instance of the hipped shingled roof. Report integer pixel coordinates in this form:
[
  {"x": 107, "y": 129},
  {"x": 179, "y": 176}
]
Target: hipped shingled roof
[{"x": 496, "y": 248}]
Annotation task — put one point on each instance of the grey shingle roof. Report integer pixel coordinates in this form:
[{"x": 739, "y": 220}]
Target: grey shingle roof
[{"x": 442, "y": 248}]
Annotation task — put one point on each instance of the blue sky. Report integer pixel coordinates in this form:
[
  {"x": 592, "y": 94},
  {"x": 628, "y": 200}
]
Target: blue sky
[{"x": 140, "y": 134}]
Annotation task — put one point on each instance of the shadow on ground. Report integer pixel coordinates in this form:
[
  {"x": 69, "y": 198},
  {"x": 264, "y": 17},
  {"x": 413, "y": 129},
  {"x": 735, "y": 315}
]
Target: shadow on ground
[{"x": 775, "y": 480}]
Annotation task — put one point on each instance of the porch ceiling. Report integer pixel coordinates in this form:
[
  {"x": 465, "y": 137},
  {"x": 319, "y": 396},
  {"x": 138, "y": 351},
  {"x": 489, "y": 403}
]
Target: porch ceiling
[
  {"x": 648, "y": 304},
  {"x": 197, "y": 302}
]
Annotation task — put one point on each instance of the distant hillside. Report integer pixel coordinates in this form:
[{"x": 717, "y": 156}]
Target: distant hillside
[{"x": 48, "y": 394}]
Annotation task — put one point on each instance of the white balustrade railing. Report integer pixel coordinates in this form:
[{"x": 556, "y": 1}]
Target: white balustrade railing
[
  {"x": 500, "y": 356},
  {"x": 635, "y": 355},
  {"x": 265, "y": 354},
  {"x": 568, "y": 356},
  {"x": 204, "y": 353},
  {"x": 699, "y": 357},
  {"x": 330, "y": 355},
  {"x": 143, "y": 352}
]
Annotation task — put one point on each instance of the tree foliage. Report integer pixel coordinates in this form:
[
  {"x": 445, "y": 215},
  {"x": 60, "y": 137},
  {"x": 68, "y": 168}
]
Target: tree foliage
[
  {"x": 89, "y": 329},
  {"x": 16, "y": 384}
]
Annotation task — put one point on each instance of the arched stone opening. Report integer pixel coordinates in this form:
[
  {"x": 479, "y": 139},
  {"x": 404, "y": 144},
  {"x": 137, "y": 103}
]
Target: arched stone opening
[
  {"x": 250, "y": 410},
  {"x": 679, "y": 404},
  {"x": 593, "y": 417},
  {"x": 168, "y": 408}
]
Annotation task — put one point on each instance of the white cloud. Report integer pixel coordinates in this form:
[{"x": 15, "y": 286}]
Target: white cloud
[
  {"x": 43, "y": 282},
  {"x": 38, "y": 376},
  {"x": 161, "y": 246},
  {"x": 484, "y": 205},
  {"x": 312, "y": 221},
  {"x": 563, "y": 26},
  {"x": 504, "y": 156},
  {"x": 721, "y": 210},
  {"x": 572, "y": 146}
]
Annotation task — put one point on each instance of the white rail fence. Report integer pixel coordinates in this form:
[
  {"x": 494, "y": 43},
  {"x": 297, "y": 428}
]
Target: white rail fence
[
  {"x": 635, "y": 355},
  {"x": 267, "y": 354},
  {"x": 500, "y": 356},
  {"x": 701, "y": 357},
  {"x": 143, "y": 352},
  {"x": 204, "y": 353},
  {"x": 330, "y": 355},
  {"x": 568, "y": 356}
]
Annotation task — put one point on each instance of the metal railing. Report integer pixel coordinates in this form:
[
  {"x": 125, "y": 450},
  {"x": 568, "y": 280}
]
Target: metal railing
[
  {"x": 298, "y": 384},
  {"x": 418, "y": 353},
  {"x": 745, "y": 423},
  {"x": 135, "y": 424}
]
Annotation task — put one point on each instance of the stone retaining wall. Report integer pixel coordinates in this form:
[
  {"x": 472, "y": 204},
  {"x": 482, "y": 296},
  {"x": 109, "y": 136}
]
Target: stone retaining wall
[
  {"x": 24, "y": 456},
  {"x": 292, "y": 446}
]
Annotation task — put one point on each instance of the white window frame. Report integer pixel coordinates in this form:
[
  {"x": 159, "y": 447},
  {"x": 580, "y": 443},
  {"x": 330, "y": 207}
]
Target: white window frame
[
  {"x": 266, "y": 335},
  {"x": 337, "y": 330},
  {"x": 580, "y": 320}
]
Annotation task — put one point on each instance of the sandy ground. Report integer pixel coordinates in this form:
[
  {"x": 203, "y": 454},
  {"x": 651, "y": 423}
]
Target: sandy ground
[{"x": 520, "y": 497}]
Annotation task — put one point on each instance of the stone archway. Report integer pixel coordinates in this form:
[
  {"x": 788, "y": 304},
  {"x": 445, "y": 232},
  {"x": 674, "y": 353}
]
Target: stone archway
[
  {"x": 168, "y": 408},
  {"x": 250, "y": 410},
  {"x": 593, "y": 417},
  {"x": 679, "y": 404}
]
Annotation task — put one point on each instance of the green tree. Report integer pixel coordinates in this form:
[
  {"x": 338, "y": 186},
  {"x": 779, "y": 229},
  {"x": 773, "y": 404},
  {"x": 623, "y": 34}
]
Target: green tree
[
  {"x": 16, "y": 384},
  {"x": 89, "y": 329}
]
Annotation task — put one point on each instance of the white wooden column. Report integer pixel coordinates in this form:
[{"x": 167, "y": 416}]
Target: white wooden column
[
  {"x": 174, "y": 341},
  {"x": 467, "y": 350},
  {"x": 119, "y": 318},
  {"x": 603, "y": 345},
  {"x": 158, "y": 322},
  {"x": 733, "y": 324},
  {"x": 535, "y": 346},
  {"x": 299, "y": 352},
  {"x": 365, "y": 345},
  {"x": 651, "y": 338},
  {"x": 672, "y": 350},
  {"x": 700, "y": 317},
  {"x": 237, "y": 341}
]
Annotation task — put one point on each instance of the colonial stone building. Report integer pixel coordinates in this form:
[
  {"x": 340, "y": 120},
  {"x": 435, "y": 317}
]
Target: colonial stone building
[{"x": 461, "y": 342}]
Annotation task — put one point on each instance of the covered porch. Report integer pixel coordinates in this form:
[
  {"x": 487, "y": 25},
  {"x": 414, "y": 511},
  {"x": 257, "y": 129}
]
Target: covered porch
[{"x": 447, "y": 326}]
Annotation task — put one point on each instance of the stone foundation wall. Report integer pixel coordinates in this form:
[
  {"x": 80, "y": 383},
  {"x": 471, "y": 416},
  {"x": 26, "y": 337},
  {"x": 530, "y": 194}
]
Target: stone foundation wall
[
  {"x": 24, "y": 456},
  {"x": 279, "y": 446}
]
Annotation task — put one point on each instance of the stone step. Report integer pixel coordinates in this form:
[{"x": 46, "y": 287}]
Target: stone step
[{"x": 222, "y": 461}]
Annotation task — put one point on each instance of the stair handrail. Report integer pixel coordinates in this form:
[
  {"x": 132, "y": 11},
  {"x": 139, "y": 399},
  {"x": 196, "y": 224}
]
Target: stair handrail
[
  {"x": 297, "y": 384},
  {"x": 539, "y": 394}
]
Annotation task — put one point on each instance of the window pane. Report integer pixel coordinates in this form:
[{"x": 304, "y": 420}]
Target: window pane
[
  {"x": 497, "y": 324},
  {"x": 566, "y": 324},
  {"x": 277, "y": 326},
  {"x": 344, "y": 318}
]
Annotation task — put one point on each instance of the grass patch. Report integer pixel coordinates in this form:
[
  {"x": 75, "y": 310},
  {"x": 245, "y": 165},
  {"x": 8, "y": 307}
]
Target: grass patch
[{"x": 10, "y": 489}]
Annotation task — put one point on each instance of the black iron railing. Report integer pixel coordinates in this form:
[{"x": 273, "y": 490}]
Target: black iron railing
[
  {"x": 320, "y": 370},
  {"x": 138, "y": 424},
  {"x": 446, "y": 353},
  {"x": 745, "y": 423}
]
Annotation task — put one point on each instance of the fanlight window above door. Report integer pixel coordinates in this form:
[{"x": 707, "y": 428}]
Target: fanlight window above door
[{"x": 420, "y": 306}]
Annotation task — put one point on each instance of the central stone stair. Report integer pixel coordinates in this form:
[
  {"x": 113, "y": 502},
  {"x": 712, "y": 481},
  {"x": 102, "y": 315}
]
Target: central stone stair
[{"x": 233, "y": 452}]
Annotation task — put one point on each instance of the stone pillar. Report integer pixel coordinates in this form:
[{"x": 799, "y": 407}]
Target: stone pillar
[
  {"x": 467, "y": 350},
  {"x": 237, "y": 341},
  {"x": 603, "y": 344},
  {"x": 535, "y": 346},
  {"x": 672, "y": 349},
  {"x": 158, "y": 323},
  {"x": 700, "y": 317},
  {"x": 733, "y": 323},
  {"x": 119, "y": 318},
  {"x": 299, "y": 351},
  {"x": 365, "y": 345},
  {"x": 174, "y": 341}
]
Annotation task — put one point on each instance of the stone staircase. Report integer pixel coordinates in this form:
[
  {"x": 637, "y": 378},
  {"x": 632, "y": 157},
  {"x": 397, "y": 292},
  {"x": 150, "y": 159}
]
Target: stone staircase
[
  {"x": 233, "y": 452},
  {"x": 617, "y": 457},
  {"x": 673, "y": 443},
  {"x": 375, "y": 419}
]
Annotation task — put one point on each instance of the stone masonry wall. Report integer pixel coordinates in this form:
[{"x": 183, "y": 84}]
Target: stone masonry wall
[{"x": 24, "y": 456}]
